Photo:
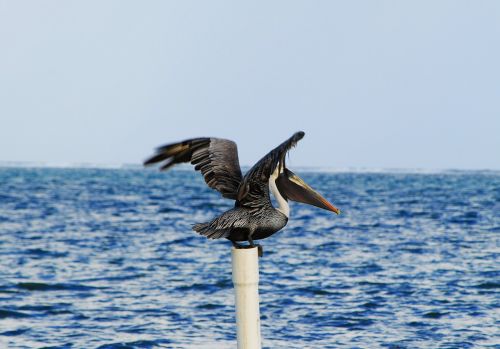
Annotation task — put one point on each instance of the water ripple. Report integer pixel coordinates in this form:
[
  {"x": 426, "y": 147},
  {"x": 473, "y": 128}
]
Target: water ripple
[{"x": 107, "y": 259}]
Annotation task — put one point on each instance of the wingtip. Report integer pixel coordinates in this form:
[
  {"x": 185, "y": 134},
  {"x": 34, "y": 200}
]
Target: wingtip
[{"x": 147, "y": 162}]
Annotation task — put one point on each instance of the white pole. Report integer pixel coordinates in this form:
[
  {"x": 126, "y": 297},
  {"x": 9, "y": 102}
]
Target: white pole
[{"x": 246, "y": 287}]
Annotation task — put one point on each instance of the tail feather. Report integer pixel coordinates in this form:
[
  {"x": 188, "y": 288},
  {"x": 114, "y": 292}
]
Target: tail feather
[{"x": 206, "y": 230}]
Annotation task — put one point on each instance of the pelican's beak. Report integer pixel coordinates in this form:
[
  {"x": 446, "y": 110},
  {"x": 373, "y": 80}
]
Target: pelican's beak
[{"x": 294, "y": 188}]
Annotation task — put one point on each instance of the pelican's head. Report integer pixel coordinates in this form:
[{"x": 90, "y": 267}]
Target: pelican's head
[{"x": 294, "y": 188}]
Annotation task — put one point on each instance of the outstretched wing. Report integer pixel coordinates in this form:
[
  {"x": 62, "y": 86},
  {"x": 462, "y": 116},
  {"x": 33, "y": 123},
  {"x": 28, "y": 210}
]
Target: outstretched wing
[
  {"x": 254, "y": 190},
  {"x": 216, "y": 158}
]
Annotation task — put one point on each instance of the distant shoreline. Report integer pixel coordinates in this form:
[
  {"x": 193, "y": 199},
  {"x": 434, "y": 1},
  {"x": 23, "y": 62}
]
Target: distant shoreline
[{"x": 41, "y": 165}]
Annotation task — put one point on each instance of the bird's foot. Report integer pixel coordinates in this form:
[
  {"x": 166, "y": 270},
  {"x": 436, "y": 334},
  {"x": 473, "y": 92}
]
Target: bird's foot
[{"x": 260, "y": 250}]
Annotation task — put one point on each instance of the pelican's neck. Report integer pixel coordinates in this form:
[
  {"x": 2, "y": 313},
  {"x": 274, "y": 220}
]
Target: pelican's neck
[{"x": 282, "y": 203}]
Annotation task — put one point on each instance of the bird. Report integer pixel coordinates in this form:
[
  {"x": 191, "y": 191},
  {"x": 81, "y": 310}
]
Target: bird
[{"x": 253, "y": 217}]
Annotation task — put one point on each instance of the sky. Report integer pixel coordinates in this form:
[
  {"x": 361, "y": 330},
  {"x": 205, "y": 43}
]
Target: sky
[{"x": 374, "y": 84}]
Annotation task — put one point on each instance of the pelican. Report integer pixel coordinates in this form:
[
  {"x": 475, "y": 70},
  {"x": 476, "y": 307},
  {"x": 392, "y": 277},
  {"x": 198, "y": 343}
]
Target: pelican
[{"x": 253, "y": 217}]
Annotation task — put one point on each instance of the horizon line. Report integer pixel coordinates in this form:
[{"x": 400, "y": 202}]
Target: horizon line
[{"x": 353, "y": 169}]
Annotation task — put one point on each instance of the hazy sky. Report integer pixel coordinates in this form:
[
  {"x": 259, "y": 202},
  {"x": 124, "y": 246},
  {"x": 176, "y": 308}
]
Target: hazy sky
[{"x": 392, "y": 84}]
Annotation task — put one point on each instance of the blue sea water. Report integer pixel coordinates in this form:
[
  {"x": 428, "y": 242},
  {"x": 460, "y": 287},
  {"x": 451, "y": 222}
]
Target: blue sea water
[{"x": 95, "y": 258}]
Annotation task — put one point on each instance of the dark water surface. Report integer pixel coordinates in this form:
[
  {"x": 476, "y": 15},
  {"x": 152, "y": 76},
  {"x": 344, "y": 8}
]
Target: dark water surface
[{"x": 106, "y": 259}]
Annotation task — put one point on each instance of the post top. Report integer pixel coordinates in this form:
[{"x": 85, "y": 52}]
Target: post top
[
  {"x": 245, "y": 265},
  {"x": 248, "y": 249}
]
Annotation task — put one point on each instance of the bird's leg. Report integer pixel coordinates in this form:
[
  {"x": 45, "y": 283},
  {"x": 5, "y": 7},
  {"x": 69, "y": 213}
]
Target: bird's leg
[
  {"x": 250, "y": 241},
  {"x": 260, "y": 251}
]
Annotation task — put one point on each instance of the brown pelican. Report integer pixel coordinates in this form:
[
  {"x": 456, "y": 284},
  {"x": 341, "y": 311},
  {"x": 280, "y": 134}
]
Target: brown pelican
[{"x": 253, "y": 217}]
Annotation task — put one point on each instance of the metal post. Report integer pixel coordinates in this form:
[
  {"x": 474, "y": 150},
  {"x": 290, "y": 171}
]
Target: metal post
[{"x": 246, "y": 286}]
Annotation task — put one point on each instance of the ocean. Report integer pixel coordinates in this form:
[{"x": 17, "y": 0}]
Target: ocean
[{"x": 106, "y": 258}]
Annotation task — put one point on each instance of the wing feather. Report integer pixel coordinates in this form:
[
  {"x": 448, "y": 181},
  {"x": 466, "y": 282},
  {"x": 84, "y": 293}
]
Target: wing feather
[
  {"x": 215, "y": 158},
  {"x": 254, "y": 189}
]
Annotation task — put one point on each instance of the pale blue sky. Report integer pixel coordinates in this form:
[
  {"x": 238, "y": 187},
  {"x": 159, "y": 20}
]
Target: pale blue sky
[{"x": 374, "y": 84}]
